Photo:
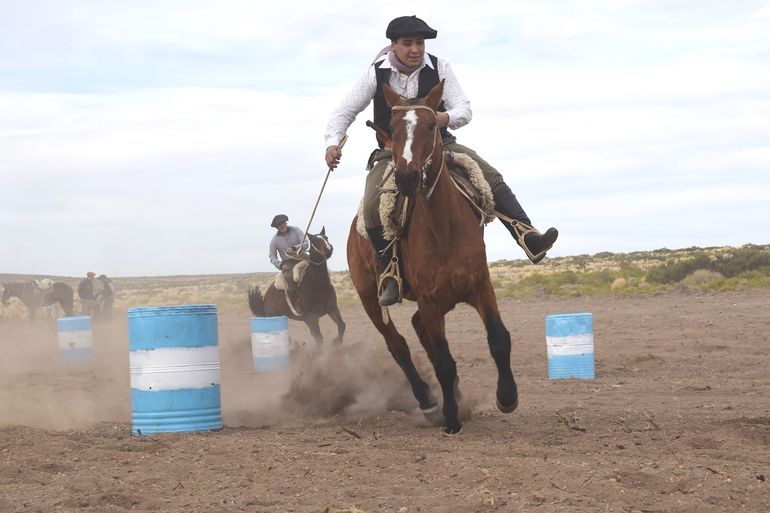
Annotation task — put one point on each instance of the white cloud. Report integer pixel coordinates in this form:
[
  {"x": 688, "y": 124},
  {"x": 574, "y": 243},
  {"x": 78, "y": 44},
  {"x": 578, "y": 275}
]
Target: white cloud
[{"x": 173, "y": 131}]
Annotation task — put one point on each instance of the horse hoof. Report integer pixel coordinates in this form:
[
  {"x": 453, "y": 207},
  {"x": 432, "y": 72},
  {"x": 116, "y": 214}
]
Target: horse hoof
[
  {"x": 507, "y": 409},
  {"x": 433, "y": 415},
  {"x": 452, "y": 432}
]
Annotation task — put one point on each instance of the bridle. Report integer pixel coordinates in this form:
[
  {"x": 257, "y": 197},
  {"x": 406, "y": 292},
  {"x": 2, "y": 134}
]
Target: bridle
[
  {"x": 429, "y": 160},
  {"x": 309, "y": 258}
]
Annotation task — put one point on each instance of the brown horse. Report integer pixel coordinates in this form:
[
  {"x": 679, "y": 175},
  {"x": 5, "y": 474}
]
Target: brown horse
[
  {"x": 443, "y": 258},
  {"x": 34, "y": 297},
  {"x": 316, "y": 296}
]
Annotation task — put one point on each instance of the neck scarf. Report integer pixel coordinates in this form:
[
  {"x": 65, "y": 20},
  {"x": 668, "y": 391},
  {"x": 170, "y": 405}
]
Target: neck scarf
[
  {"x": 400, "y": 66},
  {"x": 394, "y": 62}
]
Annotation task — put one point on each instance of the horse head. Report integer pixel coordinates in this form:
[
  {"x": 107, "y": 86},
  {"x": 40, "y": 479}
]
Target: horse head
[
  {"x": 416, "y": 139},
  {"x": 320, "y": 247}
]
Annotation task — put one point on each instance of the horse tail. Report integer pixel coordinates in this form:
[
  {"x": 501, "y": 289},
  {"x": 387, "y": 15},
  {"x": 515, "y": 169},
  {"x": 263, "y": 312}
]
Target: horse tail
[{"x": 256, "y": 302}]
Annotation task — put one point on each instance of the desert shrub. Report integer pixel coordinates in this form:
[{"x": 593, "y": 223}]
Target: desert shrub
[
  {"x": 628, "y": 270},
  {"x": 751, "y": 279},
  {"x": 570, "y": 283},
  {"x": 745, "y": 259},
  {"x": 676, "y": 270},
  {"x": 702, "y": 279},
  {"x": 618, "y": 284}
]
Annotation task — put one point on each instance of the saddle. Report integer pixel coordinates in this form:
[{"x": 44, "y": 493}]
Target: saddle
[
  {"x": 297, "y": 273},
  {"x": 467, "y": 178}
]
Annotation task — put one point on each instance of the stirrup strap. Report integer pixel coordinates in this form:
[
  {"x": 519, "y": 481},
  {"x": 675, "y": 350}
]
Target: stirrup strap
[
  {"x": 392, "y": 270},
  {"x": 521, "y": 230}
]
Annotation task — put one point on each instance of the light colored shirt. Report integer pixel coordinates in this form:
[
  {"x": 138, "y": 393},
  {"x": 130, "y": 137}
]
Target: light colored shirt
[
  {"x": 456, "y": 103},
  {"x": 281, "y": 242}
]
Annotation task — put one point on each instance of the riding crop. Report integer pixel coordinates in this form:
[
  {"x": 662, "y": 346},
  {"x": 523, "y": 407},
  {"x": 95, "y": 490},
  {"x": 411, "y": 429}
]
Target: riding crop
[{"x": 341, "y": 144}]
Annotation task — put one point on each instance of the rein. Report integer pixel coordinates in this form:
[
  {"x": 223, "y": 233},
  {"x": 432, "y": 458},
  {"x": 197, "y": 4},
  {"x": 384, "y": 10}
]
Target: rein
[
  {"x": 429, "y": 160},
  {"x": 308, "y": 259}
]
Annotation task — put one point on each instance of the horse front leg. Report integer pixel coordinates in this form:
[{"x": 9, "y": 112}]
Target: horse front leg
[
  {"x": 499, "y": 340},
  {"x": 315, "y": 328},
  {"x": 334, "y": 314},
  {"x": 399, "y": 350},
  {"x": 444, "y": 365}
]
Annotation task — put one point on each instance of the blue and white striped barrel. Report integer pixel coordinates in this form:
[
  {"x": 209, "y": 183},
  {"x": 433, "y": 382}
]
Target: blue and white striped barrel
[
  {"x": 269, "y": 343},
  {"x": 74, "y": 337},
  {"x": 570, "y": 341},
  {"x": 174, "y": 363}
]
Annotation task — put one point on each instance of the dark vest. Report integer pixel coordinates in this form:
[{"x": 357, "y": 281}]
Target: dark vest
[{"x": 428, "y": 79}]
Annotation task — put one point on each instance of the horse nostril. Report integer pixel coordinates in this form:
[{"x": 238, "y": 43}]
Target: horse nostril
[{"x": 408, "y": 182}]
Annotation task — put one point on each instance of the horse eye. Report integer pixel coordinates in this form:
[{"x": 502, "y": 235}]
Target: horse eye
[{"x": 390, "y": 130}]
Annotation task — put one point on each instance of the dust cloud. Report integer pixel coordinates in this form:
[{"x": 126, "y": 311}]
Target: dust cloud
[
  {"x": 37, "y": 389},
  {"x": 323, "y": 384}
]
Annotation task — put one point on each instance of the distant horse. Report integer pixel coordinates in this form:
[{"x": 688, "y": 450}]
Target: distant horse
[
  {"x": 316, "y": 295},
  {"x": 443, "y": 258},
  {"x": 33, "y": 296}
]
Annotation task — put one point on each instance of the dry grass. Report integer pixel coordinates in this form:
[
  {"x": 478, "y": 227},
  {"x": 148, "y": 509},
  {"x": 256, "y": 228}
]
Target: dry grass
[{"x": 623, "y": 273}]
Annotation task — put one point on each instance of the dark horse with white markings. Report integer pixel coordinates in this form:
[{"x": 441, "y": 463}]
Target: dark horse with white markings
[
  {"x": 316, "y": 294},
  {"x": 33, "y": 296},
  {"x": 444, "y": 262}
]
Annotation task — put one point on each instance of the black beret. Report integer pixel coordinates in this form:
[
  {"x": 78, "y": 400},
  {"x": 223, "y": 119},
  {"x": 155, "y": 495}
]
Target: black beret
[
  {"x": 409, "y": 26},
  {"x": 280, "y": 218}
]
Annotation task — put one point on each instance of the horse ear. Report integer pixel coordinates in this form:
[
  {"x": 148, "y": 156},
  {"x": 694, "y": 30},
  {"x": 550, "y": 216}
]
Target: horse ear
[
  {"x": 433, "y": 98},
  {"x": 392, "y": 98},
  {"x": 323, "y": 231}
]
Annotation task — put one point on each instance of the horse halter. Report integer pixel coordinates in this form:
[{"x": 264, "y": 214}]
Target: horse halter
[
  {"x": 429, "y": 160},
  {"x": 324, "y": 258}
]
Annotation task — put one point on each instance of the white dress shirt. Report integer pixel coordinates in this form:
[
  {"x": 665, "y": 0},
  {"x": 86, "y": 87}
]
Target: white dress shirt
[{"x": 456, "y": 103}]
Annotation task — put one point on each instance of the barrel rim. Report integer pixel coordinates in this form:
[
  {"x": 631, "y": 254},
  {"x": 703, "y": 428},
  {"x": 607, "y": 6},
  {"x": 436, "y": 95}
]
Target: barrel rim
[
  {"x": 268, "y": 317},
  {"x": 146, "y": 311},
  {"x": 569, "y": 315}
]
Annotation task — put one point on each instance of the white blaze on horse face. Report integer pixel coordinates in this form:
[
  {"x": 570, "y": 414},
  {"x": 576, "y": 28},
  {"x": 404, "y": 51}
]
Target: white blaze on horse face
[{"x": 410, "y": 118}]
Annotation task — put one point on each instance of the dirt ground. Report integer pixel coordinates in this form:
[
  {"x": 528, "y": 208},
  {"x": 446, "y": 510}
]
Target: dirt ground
[{"x": 677, "y": 420}]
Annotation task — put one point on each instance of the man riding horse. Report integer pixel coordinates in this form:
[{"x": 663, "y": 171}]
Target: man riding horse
[
  {"x": 409, "y": 70},
  {"x": 285, "y": 244}
]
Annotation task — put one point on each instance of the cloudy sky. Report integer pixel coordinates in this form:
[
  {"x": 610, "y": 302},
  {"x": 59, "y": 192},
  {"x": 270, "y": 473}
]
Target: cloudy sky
[{"x": 158, "y": 137}]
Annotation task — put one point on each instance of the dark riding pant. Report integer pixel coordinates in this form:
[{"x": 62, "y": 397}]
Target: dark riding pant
[{"x": 382, "y": 158}]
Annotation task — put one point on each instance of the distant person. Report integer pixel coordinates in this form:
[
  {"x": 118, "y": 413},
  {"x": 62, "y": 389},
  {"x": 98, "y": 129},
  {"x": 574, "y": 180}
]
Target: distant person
[
  {"x": 106, "y": 297},
  {"x": 291, "y": 239},
  {"x": 86, "y": 294}
]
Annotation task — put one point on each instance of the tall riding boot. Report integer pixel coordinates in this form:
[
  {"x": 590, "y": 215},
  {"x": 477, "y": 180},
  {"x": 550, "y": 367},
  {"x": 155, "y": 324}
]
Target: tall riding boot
[
  {"x": 390, "y": 294},
  {"x": 534, "y": 243}
]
